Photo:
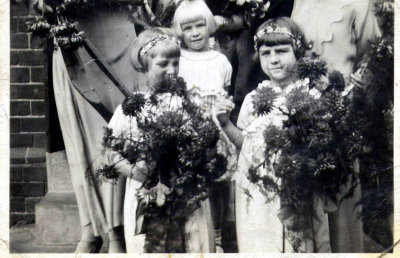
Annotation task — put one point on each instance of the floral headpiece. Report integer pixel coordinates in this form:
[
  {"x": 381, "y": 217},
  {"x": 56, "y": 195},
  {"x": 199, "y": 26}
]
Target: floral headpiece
[
  {"x": 278, "y": 30},
  {"x": 149, "y": 45}
]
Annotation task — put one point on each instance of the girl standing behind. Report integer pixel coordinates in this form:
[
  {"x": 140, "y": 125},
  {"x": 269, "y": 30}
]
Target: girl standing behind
[
  {"x": 208, "y": 76},
  {"x": 156, "y": 54},
  {"x": 279, "y": 44}
]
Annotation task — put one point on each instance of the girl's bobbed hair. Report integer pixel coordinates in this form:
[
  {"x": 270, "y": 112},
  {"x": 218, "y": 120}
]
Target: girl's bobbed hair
[
  {"x": 279, "y": 31},
  {"x": 191, "y": 11},
  {"x": 168, "y": 48}
]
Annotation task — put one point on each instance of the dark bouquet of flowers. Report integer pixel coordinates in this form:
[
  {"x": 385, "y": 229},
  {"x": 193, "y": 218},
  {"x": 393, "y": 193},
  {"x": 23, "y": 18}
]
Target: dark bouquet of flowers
[
  {"x": 375, "y": 100},
  {"x": 315, "y": 147},
  {"x": 179, "y": 146}
]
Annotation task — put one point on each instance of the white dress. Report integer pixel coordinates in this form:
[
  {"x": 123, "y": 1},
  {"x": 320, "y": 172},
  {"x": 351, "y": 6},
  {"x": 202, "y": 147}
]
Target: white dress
[
  {"x": 199, "y": 225},
  {"x": 208, "y": 74},
  {"x": 258, "y": 226}
]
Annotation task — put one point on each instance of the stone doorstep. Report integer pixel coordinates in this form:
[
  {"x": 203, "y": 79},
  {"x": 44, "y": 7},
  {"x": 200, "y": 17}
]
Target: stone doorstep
[{"x": 57, "y": 219}]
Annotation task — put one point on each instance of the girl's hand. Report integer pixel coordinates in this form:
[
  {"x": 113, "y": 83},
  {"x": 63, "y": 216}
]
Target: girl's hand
[{"x": 223, "y": 110}]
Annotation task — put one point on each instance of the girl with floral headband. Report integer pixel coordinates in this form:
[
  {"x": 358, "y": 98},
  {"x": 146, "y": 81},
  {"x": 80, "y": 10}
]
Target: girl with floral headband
[
  {"x": 279, "y": 44},
  {"x": 156, "y": 54}
]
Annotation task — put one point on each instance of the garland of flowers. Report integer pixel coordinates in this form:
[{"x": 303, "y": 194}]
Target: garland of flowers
[
  {"x": 316, "y": 146},
  {"x": 58, "y": 25},
  {"x": 179, "y": 146}
]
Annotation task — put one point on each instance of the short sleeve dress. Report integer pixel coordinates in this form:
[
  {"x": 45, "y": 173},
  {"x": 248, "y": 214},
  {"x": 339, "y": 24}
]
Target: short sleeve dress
[
  {"x": 259, "y": 228},
  {"x": 208, "y": 74}
]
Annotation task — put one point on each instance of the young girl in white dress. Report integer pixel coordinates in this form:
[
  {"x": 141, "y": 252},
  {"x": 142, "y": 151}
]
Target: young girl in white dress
[
  {"x": 279, "y": 44},
  {"x": 208, "y": 75},
  {"x": 156, "y": 54}
]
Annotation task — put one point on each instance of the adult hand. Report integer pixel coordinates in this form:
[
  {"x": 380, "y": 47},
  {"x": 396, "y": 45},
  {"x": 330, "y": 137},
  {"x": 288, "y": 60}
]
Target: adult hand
[
  {"x": 356, "y": 78},
  {"x": 219, "y": 21}
]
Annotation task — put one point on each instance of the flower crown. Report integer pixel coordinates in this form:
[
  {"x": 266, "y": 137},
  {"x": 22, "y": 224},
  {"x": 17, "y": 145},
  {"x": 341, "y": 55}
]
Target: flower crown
[
  {"x": 149, "y": 45},
  {"x": 278, "y": 30}
]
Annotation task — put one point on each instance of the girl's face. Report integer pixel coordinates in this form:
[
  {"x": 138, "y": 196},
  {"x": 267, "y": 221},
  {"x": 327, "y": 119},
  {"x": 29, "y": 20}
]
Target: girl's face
[
  {"x": 195, "y": 35},
  {"x": 160, "y": 66},
  {"x": 278, "y": 62}
]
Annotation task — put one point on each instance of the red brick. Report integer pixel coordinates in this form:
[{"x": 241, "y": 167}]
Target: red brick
[
  {"x": 22, "y": 23},
  {"x": 20, "y": 108},
  {"x": 37, "y": 74},
  {"x": 19, "y": 8},
  {"x": 30, "y": 203},
  {"x": 21, "y": 140},
  {"x": 33, "y": 124},
  {"x": 15, "y": 174},
  {"x": 13, "y": 92},
  {"x": 36, "y": 155},
  {"x": 38, "y": 108},
  {"x": 31, "y": 91},
  {"x": 31, "y": 57},
  {"x": 27, "y": 189},
  {"x": 24, "y": 218},
  {"x": 19, "y": 40},
  {"x": 37, "y": 42},
  {"x": 39, "y": 140},
  {"x": 17, "y": 155},
  {"x": 17, "y": 204},
  {"x": 19, "y": 74},
  {"x": 14, "y": 125},
  {"x": 13, "y": 25},
  {"x": 14, "y": 57},
  {"x": 34, "y": 174}
]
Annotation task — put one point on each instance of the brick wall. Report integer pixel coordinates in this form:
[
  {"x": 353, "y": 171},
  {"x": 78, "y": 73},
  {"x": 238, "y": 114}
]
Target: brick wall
[{"x": 28, "y": 119}]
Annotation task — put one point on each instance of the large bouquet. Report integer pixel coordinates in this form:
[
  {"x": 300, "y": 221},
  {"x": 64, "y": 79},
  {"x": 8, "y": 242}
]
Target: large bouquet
[
  {"x": 376, "y": 102},
  {"x": 315, "y": 148},
  {"x": 179, "y": 147}
]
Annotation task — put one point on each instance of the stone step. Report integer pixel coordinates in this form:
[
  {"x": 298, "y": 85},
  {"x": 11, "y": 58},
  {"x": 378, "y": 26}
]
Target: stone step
[
  {"x": 57, "y": 219},
  {"x": 23, "y": 239},
  {"x": 58, "y": 174}
]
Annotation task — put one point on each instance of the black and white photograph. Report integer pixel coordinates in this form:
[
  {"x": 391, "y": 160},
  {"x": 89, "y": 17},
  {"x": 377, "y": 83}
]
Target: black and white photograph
[{"x": 200, "y": 126}]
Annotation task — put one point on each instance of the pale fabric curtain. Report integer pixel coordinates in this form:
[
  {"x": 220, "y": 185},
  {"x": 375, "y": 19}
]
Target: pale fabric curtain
[
  {"x": 78, "y": 119},
  {"x": 86, "y": 98}
]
